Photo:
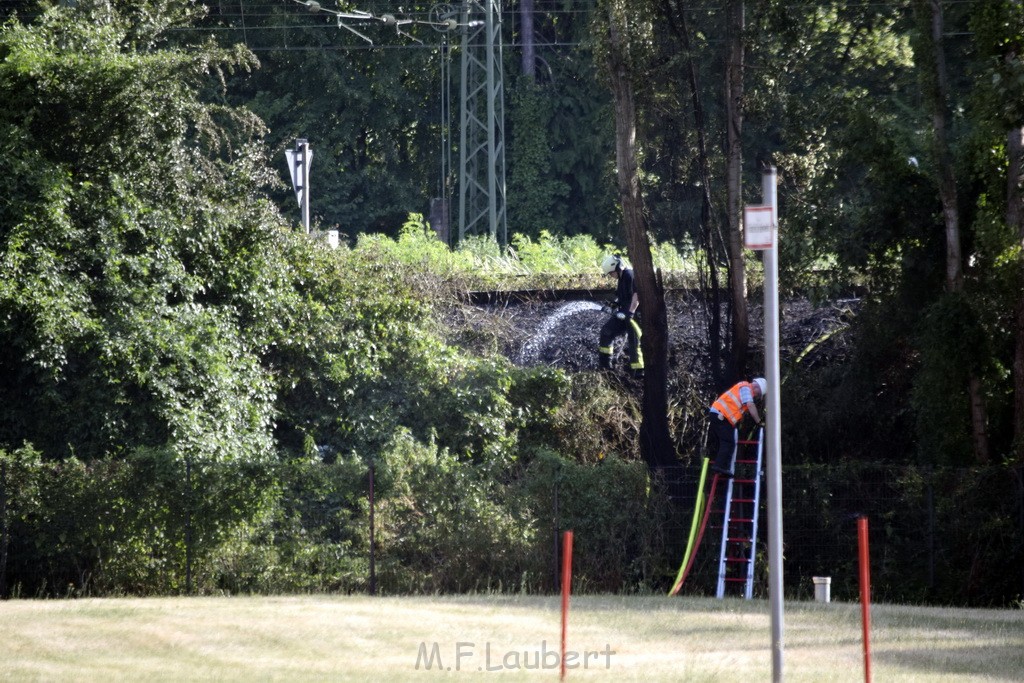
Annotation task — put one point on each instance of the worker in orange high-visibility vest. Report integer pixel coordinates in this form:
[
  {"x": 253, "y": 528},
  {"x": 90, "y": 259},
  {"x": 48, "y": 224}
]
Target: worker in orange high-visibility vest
[{"x": 727, "y": 412}]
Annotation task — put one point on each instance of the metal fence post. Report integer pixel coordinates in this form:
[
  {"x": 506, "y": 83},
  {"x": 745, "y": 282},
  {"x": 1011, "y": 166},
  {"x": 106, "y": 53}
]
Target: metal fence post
[
  {"x": 3, "y": 529},
  {"x": 188, "y": 525},
  {"x": 373, "y": 542},
  {"x": 1018, "y": 472},
  {"x": 930, "y": 488}
]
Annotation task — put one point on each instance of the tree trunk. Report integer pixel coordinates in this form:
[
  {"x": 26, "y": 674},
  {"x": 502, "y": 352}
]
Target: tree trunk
[
  {"x": 1015, "y": 219},
  {"x": 950, "y": 211},
  {"x": 709, "y": 217},
  {"x": 655, "y": 437},
  {"x": 4, "y": 526},
  {"x": 734, "y": 188}
]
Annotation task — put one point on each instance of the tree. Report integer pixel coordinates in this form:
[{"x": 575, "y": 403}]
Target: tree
[
  {"x": 734, "y": 70},
  {"x": 533, "y": 192},
  {"x": 837, "y": 100},
  {"x": 133, "y": 292},
  {"x": 656, "y": 442},
  {"x": 372, "y": 114},
  {"x": 936, "y": 87},
  {"x": 830, "y": 96},
  {"x": 999, "y": 33},
  {"x": 1015, "y": 219},
  {"x": 559, "y": 131},
  {"x": 709, "y": 228}
]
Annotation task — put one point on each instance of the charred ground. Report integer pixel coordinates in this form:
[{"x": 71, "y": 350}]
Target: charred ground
[{"x": 562, "y": 331}]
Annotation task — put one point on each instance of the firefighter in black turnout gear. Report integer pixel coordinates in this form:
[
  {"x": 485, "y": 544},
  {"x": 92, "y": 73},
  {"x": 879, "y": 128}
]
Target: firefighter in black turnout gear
[{"x": 622, "y": 320}]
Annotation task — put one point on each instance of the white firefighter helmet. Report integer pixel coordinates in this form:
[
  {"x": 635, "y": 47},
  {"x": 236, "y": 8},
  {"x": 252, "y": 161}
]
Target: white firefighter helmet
[{"x": 610, "y": 262}]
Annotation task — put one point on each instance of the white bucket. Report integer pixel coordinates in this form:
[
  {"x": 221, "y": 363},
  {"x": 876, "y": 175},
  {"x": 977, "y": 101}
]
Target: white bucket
[{"x": 822, "y": 588}]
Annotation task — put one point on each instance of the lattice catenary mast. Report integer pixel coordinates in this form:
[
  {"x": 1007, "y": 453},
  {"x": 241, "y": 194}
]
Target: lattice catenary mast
[
  {"x": 482, "y": 124},
  {"x": 482, "y": 120}
]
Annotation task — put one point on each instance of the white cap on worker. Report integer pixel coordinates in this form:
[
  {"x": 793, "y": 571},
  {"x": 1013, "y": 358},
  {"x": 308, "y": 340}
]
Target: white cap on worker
[{"x": 762, "y": 384}]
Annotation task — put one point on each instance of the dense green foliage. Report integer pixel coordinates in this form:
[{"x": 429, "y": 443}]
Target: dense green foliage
[
  {"x": 545, "y": 260},
  {"x": 136, "y": 283},
  {"x": 198, "y": 386},
  {"x": 195, "y": 395}
]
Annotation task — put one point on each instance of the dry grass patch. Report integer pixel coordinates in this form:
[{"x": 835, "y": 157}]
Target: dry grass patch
[{"x": 357, "y": 638}]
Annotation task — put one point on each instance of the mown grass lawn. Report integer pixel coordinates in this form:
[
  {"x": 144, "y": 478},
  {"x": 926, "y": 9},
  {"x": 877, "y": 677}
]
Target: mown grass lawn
[{"x": 512, "y": 638}]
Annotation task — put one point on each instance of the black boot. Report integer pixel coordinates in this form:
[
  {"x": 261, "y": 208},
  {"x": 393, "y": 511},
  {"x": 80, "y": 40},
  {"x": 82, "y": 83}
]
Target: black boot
[{"x": 723, "y": 471}]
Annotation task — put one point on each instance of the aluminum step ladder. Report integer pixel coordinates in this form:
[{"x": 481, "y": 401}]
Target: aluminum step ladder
[{"x": 739, "y": 517}]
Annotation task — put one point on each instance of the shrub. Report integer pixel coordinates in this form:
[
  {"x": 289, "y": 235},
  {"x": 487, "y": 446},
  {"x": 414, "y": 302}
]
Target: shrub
[
  {"x": 611, "y": 510},
  {"x": 447, "y": 526}
]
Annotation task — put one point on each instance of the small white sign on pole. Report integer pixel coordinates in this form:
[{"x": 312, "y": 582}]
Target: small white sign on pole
[
  {"x": 298, "y": 166},
  {"x": 758, "y": 227}
]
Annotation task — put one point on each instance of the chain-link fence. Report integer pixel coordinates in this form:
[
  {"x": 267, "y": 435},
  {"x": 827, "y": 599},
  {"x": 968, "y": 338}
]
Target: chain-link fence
[
  {"x": 937, "y": 535},
  {"x": 160, "y": 525}
]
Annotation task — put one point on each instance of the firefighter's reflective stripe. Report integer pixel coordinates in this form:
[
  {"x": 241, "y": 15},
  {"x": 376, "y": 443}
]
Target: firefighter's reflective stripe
[{"x": 637, "y": 364}]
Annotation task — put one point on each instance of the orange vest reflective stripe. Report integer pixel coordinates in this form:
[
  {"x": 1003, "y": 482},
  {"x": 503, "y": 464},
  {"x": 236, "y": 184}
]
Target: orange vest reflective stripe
[{"x": 729, "y": 404}]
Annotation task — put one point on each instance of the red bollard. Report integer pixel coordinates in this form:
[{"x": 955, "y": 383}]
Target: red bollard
[
  {"x": 566, "y": 580},
  {"x": 865, "y": 593}
]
